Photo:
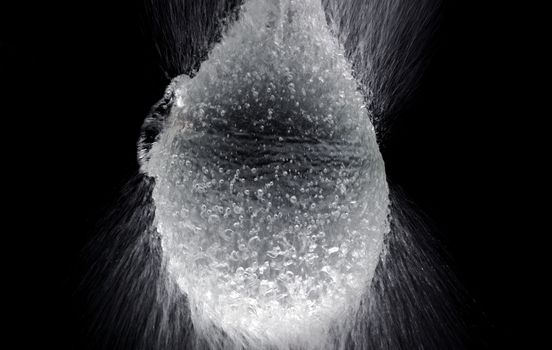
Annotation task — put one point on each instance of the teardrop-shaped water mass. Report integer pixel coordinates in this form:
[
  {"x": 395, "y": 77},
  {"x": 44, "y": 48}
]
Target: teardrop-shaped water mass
[{"x": 270, "y": 191}]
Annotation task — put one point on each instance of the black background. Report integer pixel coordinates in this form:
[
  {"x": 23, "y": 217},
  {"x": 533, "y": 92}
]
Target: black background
[{"x": 81, "y": 77}]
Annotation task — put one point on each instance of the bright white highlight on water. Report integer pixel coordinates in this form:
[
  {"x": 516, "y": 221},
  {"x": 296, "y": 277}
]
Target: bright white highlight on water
[{"x": 271, "y": 196}]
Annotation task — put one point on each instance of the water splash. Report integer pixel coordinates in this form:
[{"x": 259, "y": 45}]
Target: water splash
[
  {"x": 144, "y": 293},
  {"x": 270, "y": 194}
]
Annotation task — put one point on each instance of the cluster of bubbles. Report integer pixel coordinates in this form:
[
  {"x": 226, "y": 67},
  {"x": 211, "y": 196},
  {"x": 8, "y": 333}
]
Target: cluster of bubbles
[{"x": 271, "y": 197}]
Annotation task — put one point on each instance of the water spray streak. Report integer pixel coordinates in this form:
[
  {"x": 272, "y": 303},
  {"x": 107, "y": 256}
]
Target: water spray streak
[{"x": 263, "y": 218}]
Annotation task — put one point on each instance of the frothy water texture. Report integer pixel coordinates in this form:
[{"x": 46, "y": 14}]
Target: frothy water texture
[{"x": 270, "y": 191}]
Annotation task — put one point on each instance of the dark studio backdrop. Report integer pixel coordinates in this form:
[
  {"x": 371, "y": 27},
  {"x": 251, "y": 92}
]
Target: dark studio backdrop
[{"x": 84, "y": 75}]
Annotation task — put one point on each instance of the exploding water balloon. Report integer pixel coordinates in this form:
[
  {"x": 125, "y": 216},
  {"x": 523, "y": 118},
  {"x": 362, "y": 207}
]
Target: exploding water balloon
[{"x": 262, "y": 218}]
